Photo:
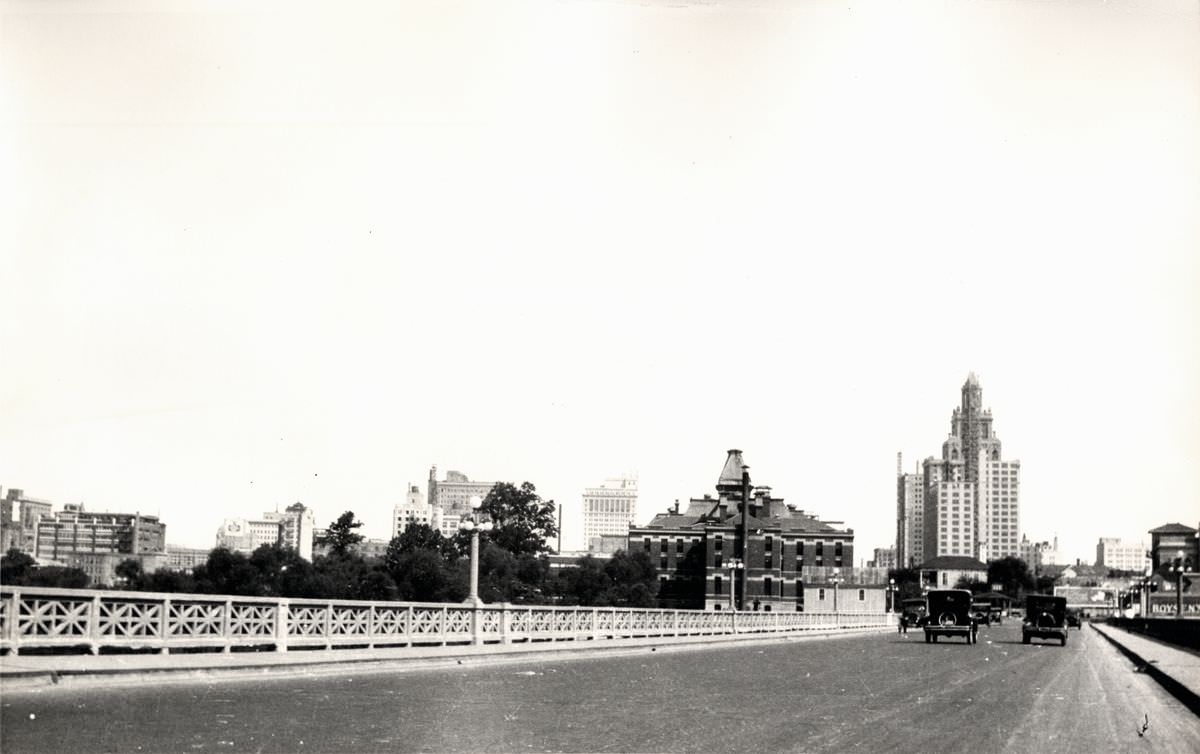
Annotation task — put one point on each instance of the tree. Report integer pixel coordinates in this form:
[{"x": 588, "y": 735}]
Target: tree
[
  {"x": 15, "y": 567},
  {"x": 340, "y": 537},
  {"x": 634, "y": 579},
  {"x": 63, "y": 577},
  {"x": 228, "y": 572},
  {"x": 908, "y": 583},
  {"x": 1012, "y": 574},
  {"x": 423, "y": 575},
  {"x": 129, "y": 571},
  {"x": 974, "y": 585},
  {"x": 523, "y": 521}
]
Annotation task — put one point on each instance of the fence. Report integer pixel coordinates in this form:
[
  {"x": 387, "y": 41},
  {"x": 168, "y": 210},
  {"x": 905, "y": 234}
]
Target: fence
[{"x": 92, "y": 620}]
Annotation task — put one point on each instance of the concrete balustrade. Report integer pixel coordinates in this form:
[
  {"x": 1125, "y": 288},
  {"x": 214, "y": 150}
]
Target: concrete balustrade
[{"x": 91, "y": 620}]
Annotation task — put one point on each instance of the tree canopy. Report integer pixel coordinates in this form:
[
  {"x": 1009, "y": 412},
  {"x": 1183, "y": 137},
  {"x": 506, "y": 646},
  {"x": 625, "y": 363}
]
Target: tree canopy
[
  {"x": 523, "y": 521},
  {"x": 340, "y": 537}
]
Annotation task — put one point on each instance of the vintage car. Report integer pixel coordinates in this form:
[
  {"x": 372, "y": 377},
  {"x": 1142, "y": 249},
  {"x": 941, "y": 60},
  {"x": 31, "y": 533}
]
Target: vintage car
[
  {"x": 1045, "y": 618},
  {"x": 997, "y": 614},
  {"x": 982, "y": 612},
  {"x": 912, "y": 611},
  {"x": 949, "y": 614}
]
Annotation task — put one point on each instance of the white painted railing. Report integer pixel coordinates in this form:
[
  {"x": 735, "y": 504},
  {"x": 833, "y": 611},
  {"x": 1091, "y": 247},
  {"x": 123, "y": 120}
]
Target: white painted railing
[{"x": 94, "y": 619}]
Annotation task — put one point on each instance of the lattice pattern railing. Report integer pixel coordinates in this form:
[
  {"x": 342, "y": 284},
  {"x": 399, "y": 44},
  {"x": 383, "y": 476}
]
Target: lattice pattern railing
[{"x": 92, "y": 619}]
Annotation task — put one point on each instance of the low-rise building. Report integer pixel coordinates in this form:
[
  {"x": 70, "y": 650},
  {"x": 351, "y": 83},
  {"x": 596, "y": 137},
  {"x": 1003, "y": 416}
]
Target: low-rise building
[
  {"x": 945, "y": 571},
  {"x": 743, "y": 542},
  {"x": 1173, "y": 542}
]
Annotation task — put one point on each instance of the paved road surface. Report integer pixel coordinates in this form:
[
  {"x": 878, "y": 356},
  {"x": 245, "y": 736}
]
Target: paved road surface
[{"x": 864, "y": 693}]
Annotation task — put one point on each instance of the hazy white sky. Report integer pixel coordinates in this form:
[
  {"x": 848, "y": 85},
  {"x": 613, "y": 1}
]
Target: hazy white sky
[{"x": 260, "y": 252}]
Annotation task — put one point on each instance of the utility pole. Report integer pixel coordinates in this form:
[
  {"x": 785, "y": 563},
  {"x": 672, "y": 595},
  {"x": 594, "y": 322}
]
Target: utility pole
[{"x": 745, "y": 533}]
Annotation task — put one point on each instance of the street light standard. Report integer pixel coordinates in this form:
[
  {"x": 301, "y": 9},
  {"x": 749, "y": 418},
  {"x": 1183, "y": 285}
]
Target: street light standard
[
  {"x": 837, "y": 579},
  {"x": 735, "y": 565},
  {"x": 891, "y": 595},
  {"x": 1178, "y": 570},
  {"x": 471, "y": 525}
]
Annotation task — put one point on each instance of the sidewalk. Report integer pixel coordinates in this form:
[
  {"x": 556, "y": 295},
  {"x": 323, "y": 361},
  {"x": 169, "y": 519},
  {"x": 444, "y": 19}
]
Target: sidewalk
[
  {"x": 39, "y": 671},
  {"x": 1177, "y": 670}
]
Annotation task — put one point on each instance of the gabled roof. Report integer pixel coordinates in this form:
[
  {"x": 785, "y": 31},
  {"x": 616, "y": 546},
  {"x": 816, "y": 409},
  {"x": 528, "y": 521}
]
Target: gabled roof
[
  {"x": 953, "y": 563},
  {"x": 1173, "y": 529}
]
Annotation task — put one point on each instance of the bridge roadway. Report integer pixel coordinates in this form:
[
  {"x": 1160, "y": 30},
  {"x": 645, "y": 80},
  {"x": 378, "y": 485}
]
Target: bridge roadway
[{"x": 868, "y": 692}]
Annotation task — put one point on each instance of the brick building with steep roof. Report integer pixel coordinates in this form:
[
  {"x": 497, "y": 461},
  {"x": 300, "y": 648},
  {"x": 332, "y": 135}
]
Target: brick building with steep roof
[{"x": 698, "y": 550}]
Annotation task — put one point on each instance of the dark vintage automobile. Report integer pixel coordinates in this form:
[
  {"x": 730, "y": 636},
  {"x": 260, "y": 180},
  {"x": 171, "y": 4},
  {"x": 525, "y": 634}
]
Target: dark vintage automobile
[
  {"x": 1045, "y": 618},
  {"x": 949, "y": 613},
  {"x": 912, "y": 612},
  {"x": 982, "y": 612}
]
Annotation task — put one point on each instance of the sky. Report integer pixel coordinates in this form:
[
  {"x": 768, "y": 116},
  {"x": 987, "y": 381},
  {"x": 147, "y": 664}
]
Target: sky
[{"x": 259, "y": 252}]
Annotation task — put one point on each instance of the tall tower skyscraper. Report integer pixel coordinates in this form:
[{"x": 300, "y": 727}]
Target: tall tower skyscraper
[{"x": 969, "y": 498}]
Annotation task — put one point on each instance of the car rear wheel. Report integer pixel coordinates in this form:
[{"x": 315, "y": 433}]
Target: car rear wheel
[
  {"x": 1025, "y": 639},
  {"x": 1063, "y": 640}
]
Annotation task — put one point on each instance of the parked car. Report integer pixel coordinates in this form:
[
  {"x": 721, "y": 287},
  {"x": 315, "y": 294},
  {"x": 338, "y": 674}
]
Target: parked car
[
  {"x": 997, "y": 614},
  {"x": 1045, "y": 618},
  {"x": 1073, "y": 620},
  {"x": 948, "y": 613}
]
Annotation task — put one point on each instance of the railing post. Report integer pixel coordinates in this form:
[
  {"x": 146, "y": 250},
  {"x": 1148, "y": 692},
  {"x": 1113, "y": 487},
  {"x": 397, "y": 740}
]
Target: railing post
[
  {"x": 282, "y": 615},
  {"x": 227, "y": 625},
  {"x": 445, "y": 621},
  {"x": 94, "y": 626},
  {"x": 328, "y": 628},
  {"x": 505, "y": 626},
  {"x": 14, "y": 629},
  {"x": 476, "y": 625},
  {"x": 164, "y": 626},
  {"x": 371, "y": 626},
  {"x": 733, "y": 622}
]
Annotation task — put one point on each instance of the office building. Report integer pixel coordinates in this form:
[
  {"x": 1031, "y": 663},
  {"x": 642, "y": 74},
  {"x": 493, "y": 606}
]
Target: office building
[
  {"x": 1038, "y": 555},
  {"x": 97, "y": 542},
  {"x": 1119, "y": 555},
  {"x": 969, "y": 498},
  {"x": 19, "y": 515},
  {"x": 293, "y": 528},
  {"x": 609, "y": 508},
  {"x": 453, "y": 494}
]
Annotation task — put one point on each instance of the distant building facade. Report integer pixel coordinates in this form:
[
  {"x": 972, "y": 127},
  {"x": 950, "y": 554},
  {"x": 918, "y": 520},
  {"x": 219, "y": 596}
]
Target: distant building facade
[
  {"x": 609, "y": 508},
  {"x": 414, "y": 510},
  {"x": 1118, "y": 555},
  {"x": 454, "y": 493},
  {"x": 293, "y": 528},
  {"x": 1038, "y": 555},
  {"x": 970, "y": 497},
  {"x": 743, "y": 543},
  {"x": 180, "y": 558},
  {"x": 96, "y": 542},
  {"x": 885, "y": 557},
  {"x": 19, "y": 515},
  {"x": 910, "y": 516}
]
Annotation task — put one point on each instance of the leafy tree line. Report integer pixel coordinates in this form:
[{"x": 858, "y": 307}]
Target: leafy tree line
[
  {"x": 1011, "y": 574},
  {"x": 419, "y": 565}
]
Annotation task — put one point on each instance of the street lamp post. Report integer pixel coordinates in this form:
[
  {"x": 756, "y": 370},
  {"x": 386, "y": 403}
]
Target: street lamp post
[
  {"x": 837, "y": 579},
  {"x": 735, "y": 565},
  {"x": 891, "y": 595},
  {"x": 473, "y": 526},
  {"x": 1178, "y": 568}
]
